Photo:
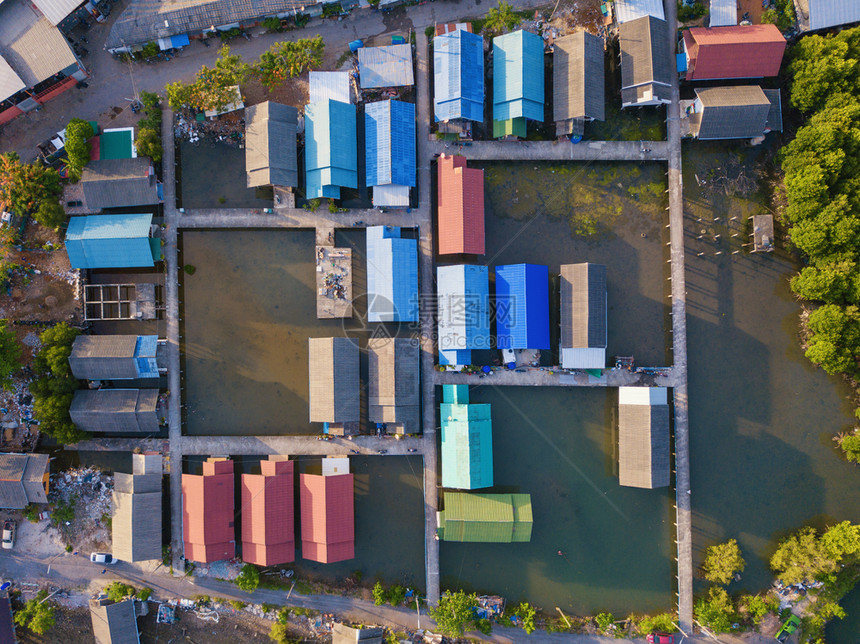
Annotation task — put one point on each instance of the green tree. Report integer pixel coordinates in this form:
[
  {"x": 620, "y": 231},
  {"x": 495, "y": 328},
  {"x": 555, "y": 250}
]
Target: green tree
[
  {"x": 825, "y": 70},
  {"x": 280, "y": 633},
  {"x": 802, "y": 556},
  {"x": 54, "y": 384},
  {"x": 179, "y": 95},
  {"x": 526, "y": 613},
  {"x": 831, "y": 283},
  {"x": 722, "y": 561},
  {"x": 662, "y": 622},
  {"x": 605, "y": 622},
  {"x": 50, "y": 214},
  {"x": 10, "y": 355},
  {"x": 23, "y": 186},
  {"x": 78, "y": 132},
  {"x": 380, "y": 596},
  {"x": 287, "y": 59},
  {"x": 249, "y": 578},
  {"x": 757, "y": 606},
  {"x": 37, "y": 614},
  {"x": 396, "y": 595},
  {"x": 500, "y": 19},
  {"x": 148, "y": 143},
  {"x": 454, "y": 612},
  {"x": 117, "y": 591},
  {"x": 715, "y": 610},
  {"x": 850, "y": 444},
  {"x": 834, "y": 342}
]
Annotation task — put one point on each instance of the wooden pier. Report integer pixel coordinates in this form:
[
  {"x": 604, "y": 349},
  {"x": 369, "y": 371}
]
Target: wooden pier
[{"x": 333, "y": 279}]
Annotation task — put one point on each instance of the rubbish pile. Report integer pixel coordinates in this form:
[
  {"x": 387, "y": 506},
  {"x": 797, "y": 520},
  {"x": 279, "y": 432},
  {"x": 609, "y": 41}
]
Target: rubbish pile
[
  {"x": 226, "y": 128},
  {"x": 334, "y": 286},
  {"x": 87, "y": 491}
]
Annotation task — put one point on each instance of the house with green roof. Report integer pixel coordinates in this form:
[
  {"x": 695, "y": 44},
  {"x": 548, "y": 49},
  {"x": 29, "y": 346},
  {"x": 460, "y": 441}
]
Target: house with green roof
[
  {"x": 467, "y": 440},
  {"x": 112, "y": 241},
  {"x": 486, "y": 518}
]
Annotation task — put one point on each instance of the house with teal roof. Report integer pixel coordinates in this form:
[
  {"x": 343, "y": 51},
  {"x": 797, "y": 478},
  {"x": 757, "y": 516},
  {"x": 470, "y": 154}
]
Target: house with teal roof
[
  {"x": 467, "y": 440},
  {"x": 112, "y": 241},
  {"x": 331, "y": 151},
  {"x": 518, "y": 82}
]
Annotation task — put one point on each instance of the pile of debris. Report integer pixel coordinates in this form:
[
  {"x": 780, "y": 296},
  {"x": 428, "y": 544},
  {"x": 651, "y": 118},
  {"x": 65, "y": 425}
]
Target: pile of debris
[
  {"x": 226, "y": 128},
  {"x": 87, "y": 491}
]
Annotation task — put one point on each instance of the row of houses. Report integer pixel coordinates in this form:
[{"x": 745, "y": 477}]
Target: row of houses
[{"x": 267, "y": 512}]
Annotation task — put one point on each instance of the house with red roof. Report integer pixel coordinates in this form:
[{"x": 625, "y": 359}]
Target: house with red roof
[
  {"x": 268, "y": 530},
  {"x": 460, "y": 207},
  {"x": 328, "y": 513},
  {"x": 752, "y": 51},
  {"x": 207, "y": 512}
]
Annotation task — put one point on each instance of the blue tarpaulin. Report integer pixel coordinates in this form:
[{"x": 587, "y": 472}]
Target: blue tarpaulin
[{"x": 179, "y": 41}]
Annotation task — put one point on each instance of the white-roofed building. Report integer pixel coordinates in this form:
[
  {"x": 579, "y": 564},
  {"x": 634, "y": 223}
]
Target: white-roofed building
[
  {"x": 823, "y": 14},
  {"x": 723, "y": 13},
  {"x": 323, "y": 86},
  {"x": 57, "y": 10},
  {"x": 627, "y": 10}
]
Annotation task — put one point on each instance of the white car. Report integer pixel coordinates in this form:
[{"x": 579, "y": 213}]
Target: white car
[
  {"x": 103, "y": 558},
  {"x": 8, "y": 535}
]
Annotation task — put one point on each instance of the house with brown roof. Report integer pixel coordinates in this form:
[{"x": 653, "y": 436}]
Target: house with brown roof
[
  {"x": 646, "y": 63},
  {"x": 23, "y": 480},
  {"x": 716, "y": 53},
  {"x": 136, "y": 518},
  {"x": 268, "y": 530},
  {"x": 743, "y": 112},
  {"x": 208, "y": 527},
  {"x": 577, "y": 82},
  {"x": 328, "y": 512},
  {"x": 114, "y": 622},
  {"x": 460, "y": 215}
]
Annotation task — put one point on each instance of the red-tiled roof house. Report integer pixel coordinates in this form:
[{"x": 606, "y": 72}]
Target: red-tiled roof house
[
  {"x": 207, "y": 512},
  {"x": 268, "y": 530},
  {"x": 753, "y": 51},
  {"x": 328, "y": 513},
  {"x": 461, "y": 207}
]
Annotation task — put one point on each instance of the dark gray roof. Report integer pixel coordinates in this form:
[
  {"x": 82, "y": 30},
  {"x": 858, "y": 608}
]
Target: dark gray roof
[
  {"x": 334, "y": 382},
  {"x": 578, "y": 77},
  {"x": 583, "y": 306},
  {"x": 145, "y": 20},
  {"x": 7, "y": 625},
  {"x": 731, "y": 113},
  {"x": 643, "y": 445},
  {"x": 21, "y": 479},
  {"x": 104, "y": 357},
  {"x": 115, "y": 410},
  {"x": 136, "y": 521},
  {"x": 393, "y": 382},
  {"x": 115, "y": 183},
  {"x": 114, "y": 623},
  {"x": 270, "y": 145},
  {"x": 646, "y": 63},
  {"x": 774, "y": 116},
  {"x": 34, "y": 48}
]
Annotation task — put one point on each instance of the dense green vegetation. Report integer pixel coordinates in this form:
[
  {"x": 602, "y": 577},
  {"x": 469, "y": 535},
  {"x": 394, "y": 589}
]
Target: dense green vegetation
[
  {"x": 117, "y": 591},
  {"x": 782, "y": 15},
  {"x": 249, "y": 578},
  {"x": 30, "y": 188},
  {"x": 10, "y": 356},
  {"x": 37, "y": 614},
  {"x": 822, "y": 184},
  {"x": 455, "y": 612},
  {"x": 148, "y": 141},
  {"x": 289, "y": 59},
  {"x": 693, "y": 11},
  {"x": 55, "y": 385},
  {"x": 500, "y": 19},
  {"x": 78, "y": 133},
  {"x": 722, "y": 562}
]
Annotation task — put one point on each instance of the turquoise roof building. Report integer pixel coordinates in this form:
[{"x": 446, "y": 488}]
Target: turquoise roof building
[
  {"x": 518, "y": 79},
  {"x": 331, "y": 156},
  {"x": 467, "y": 440},
  {"x": 112, "y": 241}
]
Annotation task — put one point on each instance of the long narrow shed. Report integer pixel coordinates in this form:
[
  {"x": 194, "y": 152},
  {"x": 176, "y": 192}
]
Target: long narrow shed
[
  {"x": 268, "y": 530},
  {"x": 136, "y": 518},
  {"x": 389, "y": 134},
  {"x": 628, "y": 10},
  {"x": 467, "y": 440},
  {"x": 112, "y": 241},
  {"x": 334, "y": 380},
  {"x": 114, "y": 357},
  {"x": 583, "y": 316},
  {"x": 270, "y": 145},
  {"x": 460, "y": 207},
  {"x": 331, "y": 153},
  {"x": 518, "y": 81},
  {"x": 392, "y": 275},
  {"x": 394, "y": 394},
  {"x": 578, "y": 78},
  {"x": 486, "y": 518},
  {"x": 208, "y": 530},
  {"x": 463, "y": 312},
  {"x": 646, "y": 63},
  {"x": 643, "y": 437},
  {"x": 458, "y": 76},
  {"x": 328, "y": 513},
  {"x": 115, "y": 410},
  {"x": 522, "y": 306}
]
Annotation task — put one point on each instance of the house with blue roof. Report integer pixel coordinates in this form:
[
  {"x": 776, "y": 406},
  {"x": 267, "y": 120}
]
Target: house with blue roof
[
  {"x": 458, "y": 76},
  {"x": 389, "y": 136},
  {"x": 112, "y": 241},
  {"x": 522, "y": 306},
  {"x": 467, "y": 440},
  {"x": 518, "y": 82},
  {"x": 392, "y": 275},
  {"x": 463, "y": 312},
  {"x": 331, "y": 156}
]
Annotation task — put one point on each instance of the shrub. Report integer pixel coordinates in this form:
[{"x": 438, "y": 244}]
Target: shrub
[
  {"x": 380, "y": 596},
  {"x": 117, "y": 591},
  {"x": 236, "y": 604},
  {"x": 144, "y": 593},
  {"x": 148, "y": 144},
  {"x": 249, "y": 578},
  {"x": 10, "y": 356},
  {"x": 662, "y": 622},
  {"x": 190, "y": 269},
  {"x": 50, "y": 214},
  {"x": 37, "y": 614},
  {"x": 527, "y": 615},
  {"x": 715, "y": 610},
  {"x": 78, "y": 132},
  {"x": 604, "y": 621}
]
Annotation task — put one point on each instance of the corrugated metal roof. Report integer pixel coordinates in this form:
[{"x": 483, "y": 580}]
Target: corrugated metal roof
[
  {"x": 10, "y": 83},
  {"x": 578, "y": 77},
  {"x": 343, "y": 634},
  {"x": 394, "y": 384},
  {"x": 21, "y": 479},
  {"x": 105, "y": 241},
  {"x": 114, "y": 183},
  {"x": 114, "y": 623},
  {"x": 270, "y": 145},
  {"x": 646, "y": 65},
  {"x": 389, "y": 66},
  {"x": 460, "y": 207},
  {"x": 327, "y": 517},
  {"x": 730, "y": 113},
  {"x": 7, "y": 624},
  {"x": 207, "y": 513},
  {"x": 323, "y": 86},
  {"x": 136, "y": 518},
  {"x": 467, "y": 442},
  {"x": 268, "y": 531},
  {"x": 627, "y": 10},
  {"x": 583, "y": 306},
  {"x": 463, "y": 307},
  {"x": 744, "y": 51},
  {"x": 832, "y": 13},
  {"x": 522, "y": 306},
  {"x": 390, "y": 195},
  {"x": 458, "y": 76},
  {"x": 33, "y": 47},
  {"x": 488, "y": 518},
  {"x": 518, "y": 76},
  {"x": 389, "y": 135},
  {"x": 392, "y": 276},
  {"x": 331, "y": 154},
  {"x": 115, "y": 410},
  {"x": 723, "y": 13},
  {"x": 643, "y": 437},
  {"x": 334, "y": 380},
  {"x": 114, "y": 357},
  {"x": 774, "y": 116}
]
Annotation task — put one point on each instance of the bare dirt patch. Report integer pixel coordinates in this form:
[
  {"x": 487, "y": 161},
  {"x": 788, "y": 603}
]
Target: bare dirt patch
[
  {"x": 573, "y": 15},
  {"x": 293, "y": 92}
]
